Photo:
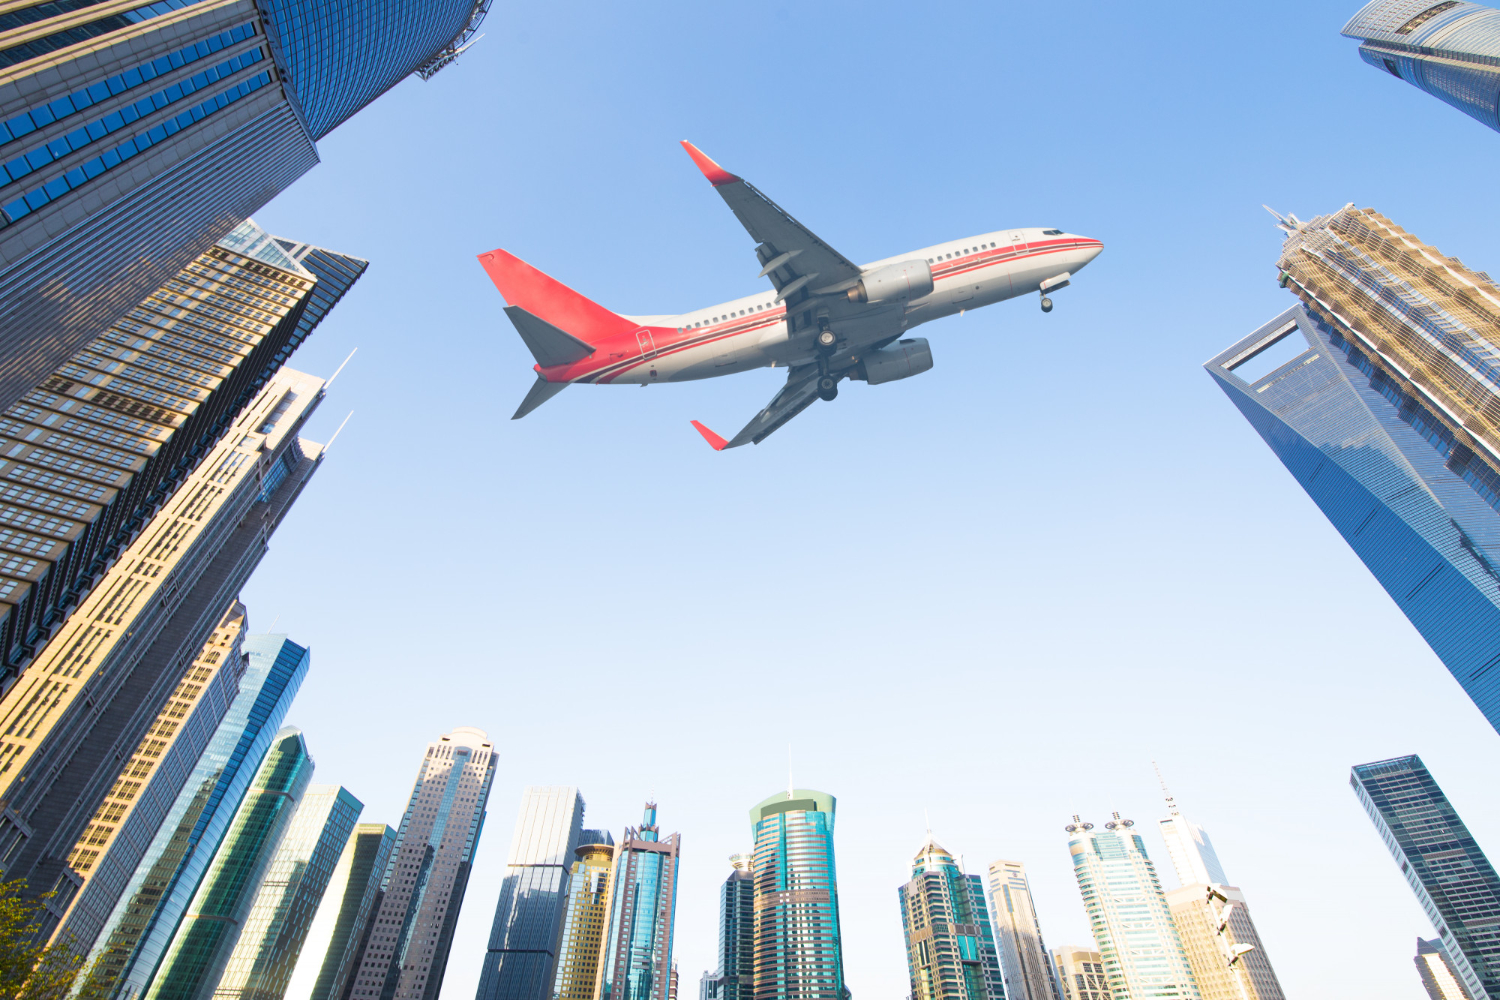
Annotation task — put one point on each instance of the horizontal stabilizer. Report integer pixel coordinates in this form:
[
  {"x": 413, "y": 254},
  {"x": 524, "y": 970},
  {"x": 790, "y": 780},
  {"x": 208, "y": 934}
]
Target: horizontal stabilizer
[
  {"x": 549, "y": 345},
  {"x": 541, "y": 391}
]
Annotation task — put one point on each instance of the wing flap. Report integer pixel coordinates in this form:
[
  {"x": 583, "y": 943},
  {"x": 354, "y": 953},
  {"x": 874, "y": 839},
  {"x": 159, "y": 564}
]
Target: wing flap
[{"x": 800, "y": 392}]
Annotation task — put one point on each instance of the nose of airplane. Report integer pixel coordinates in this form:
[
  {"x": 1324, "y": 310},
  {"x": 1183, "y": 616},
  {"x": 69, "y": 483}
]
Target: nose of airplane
[{"x": 1090, "y": 249}]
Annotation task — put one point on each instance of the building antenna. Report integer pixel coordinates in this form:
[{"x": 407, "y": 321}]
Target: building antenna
[
  {"x": 336, "y": 434},
  {"x": 928, "y": 820},
  {"x": 338, "y": 369},
  {"x": 273, "y": 624},
  {"x": 1171, "y": 802}
]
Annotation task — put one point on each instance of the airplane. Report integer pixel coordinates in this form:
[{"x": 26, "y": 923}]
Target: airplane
[{"x": 825, "y": 318}]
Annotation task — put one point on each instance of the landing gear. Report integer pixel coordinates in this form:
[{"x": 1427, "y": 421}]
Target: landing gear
[
  {"x": 826, "y": 341},
  {"x": 1046, "y": 304},
  {"x": 828, "y": 388}
]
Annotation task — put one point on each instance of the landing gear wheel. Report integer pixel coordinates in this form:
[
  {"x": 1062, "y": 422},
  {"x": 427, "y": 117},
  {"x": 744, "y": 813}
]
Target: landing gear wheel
[
  {"x": 1046, "y": 304},
  {"x": 826, "y": 340},
  {"x": 828, "y": 388}
]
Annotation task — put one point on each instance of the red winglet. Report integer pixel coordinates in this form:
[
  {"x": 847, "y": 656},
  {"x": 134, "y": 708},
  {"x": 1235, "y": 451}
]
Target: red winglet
[
  {"x": 716, "y": 174},
  {"x": 714, "y": 441}
]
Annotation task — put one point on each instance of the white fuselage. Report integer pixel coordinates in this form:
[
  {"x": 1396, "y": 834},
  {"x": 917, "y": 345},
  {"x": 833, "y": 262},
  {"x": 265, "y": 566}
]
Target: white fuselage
[{"x": 753, "y": 332}]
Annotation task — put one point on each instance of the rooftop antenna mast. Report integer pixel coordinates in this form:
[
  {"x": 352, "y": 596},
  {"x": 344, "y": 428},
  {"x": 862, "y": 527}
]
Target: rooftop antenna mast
[{"x": 1171, "y": 802}]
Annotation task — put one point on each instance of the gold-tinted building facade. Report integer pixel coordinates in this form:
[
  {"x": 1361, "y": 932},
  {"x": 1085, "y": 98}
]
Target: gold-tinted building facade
[{"x": 585, "y": 919}]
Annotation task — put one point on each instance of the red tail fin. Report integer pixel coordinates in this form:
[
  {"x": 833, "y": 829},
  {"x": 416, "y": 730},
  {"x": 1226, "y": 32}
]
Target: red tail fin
[{"x": 543, "y": 296}]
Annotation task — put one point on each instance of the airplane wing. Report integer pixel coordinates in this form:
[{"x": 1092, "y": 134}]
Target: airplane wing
[
  {"x": 797, "y": 262},
  {"x": 798, "y": 394}
]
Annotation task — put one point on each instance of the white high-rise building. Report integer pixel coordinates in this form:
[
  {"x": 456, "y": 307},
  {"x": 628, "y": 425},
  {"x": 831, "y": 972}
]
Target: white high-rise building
[
  {"x": 1143, "y": 956},
  {"x": 1188, "y": 846},
  {"x": 1018, "y": 935}
]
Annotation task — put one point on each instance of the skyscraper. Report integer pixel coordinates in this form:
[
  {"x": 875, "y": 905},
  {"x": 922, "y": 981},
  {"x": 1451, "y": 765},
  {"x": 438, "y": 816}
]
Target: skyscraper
[
  {"x": 110, "y": 847},
  {"x": 586, "y": 918},
  {"x": 950, "y": 946},
  {"x": 338, "y": 932},
  {"x": 1080, "y": 973},
  {"x": 1212, "y": 919},
  {"x": 86, "y": 703},
  {"x": 273, "y": 934},
  {"x": 524, "y": 938},
  {"x": 1436, "y": 970},
  {"x": 134, "y": 137},
  {"x": 735, "y": 976},
  {"x": 798, "y": 945},
  {"x": 1390, "y": 419},
  {"x": 1143, "y": 958},
  {"x": 424, "y": 884},
  {"x": 157, "y": 893},
  {"x": 637, "y": 960},
  {"x": 1453, "y": 880},
  {"x": 196, "y": 958},
  {"x": 1018, "y": 933},
  {"x": 105, "y": 439},
  {"x": 1222, "y": 946},
  {"x": 1448, "y": 49}
]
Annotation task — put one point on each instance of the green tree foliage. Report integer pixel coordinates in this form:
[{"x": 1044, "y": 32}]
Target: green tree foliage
[{"x": 30, "y": 969}]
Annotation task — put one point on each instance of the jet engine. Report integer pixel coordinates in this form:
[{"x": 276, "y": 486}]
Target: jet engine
[
  {"x": 910, "y": 279},
  {"x": 903, "y": 359}
]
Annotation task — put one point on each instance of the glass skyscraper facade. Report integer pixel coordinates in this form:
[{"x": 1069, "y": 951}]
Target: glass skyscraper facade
[
  {"x": 154, "y": 899},
  {"x": 735, "y": 977},
  {"x": 1018, "y": 934},
  {"x": 637, "y": 961},
  {"x": 111, "y": 846},
  {"x": 201, "y": 948},
  {"x": 1390, "y": 420},
  {"x": 270, "y": 943},
  {"x": 799, "y": 951},
  {"x": 586, "y": 918},
  {"x": 337, "y": 936},
  {"x": 1449, "y": 49},
  {"x": 423, "y": 891},
  {"x": 1453, "y": 880},
  {"x": 1437, "y": 974},
  {"x": 132, "y": 138},
  {"x": 524, "y": 937},
  {"x": 950, "y": 945},
  {"x": 1143, "y": 957},
  {"x": 1080, "y": 973}
]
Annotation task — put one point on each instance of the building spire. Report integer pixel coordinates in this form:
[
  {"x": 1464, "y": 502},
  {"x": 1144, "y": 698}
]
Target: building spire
[{"x": 1171, "y": 802}]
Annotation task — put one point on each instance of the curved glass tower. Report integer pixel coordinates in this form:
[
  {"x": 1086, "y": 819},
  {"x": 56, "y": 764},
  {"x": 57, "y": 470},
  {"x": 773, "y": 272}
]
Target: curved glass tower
[
  {"x": 1450, "y": 49},
  {"x": 798, "y": 948},
  {"x": 342, "y": 54},
  {"x": 207, "y": 936}
]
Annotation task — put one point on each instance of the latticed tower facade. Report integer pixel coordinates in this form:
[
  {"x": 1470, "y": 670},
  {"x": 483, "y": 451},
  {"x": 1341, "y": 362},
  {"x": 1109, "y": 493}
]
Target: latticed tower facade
[
  {"x": 798, "y": 945},
  {"x": 1389, "y": 417},
  {"x": 1018, "y": 935},
  {"x": 950, "y": 946}
]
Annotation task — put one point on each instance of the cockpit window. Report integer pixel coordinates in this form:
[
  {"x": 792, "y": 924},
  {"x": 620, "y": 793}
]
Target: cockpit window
[{"x": 1051, "y": 232}]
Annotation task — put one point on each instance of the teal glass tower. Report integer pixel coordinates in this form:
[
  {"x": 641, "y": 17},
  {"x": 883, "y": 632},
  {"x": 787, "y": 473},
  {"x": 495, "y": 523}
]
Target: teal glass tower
[
  {"x": 799, "y": 951},
  {"x": 1143, "y": 956},
  {"x": 1453, "y": 880},
  {"x": 200, "y": 950},
  {"x": 1449, "y": 48},
  {"x": 950, "y": 943},
  {"x": 350, "y": 901},
  {"x": 260, "y": 967},
  {"x": 154, "y": 900},
  {"x": 637, "y": 961},
  {"x": 1384, "y": 405},
  {"x": 735, "y": 977}
]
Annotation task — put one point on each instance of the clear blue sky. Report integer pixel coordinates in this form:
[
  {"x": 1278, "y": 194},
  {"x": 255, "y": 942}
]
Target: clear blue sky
[{"x": 995, "y": 592}]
